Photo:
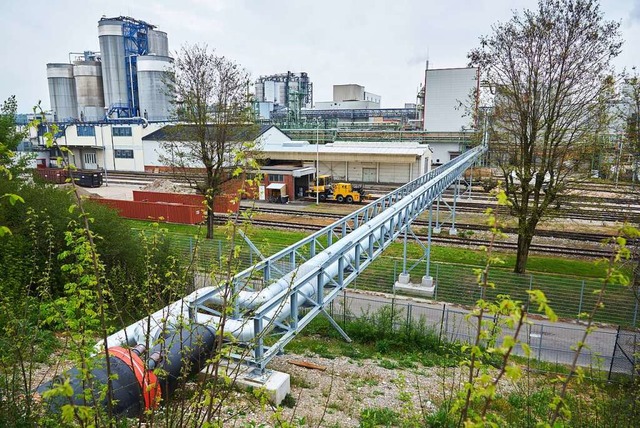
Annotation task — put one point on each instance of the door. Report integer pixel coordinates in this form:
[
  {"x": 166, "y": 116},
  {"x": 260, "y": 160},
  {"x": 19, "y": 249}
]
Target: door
[
  {"x": 90, "y": 160},
  {"x": 369, "y": 175}
]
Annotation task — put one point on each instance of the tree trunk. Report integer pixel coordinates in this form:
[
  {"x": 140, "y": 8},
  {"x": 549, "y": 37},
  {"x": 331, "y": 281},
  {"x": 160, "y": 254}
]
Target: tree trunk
[
  {"x": 210, "y": 220},
  {"x": 524, "y": 242}
]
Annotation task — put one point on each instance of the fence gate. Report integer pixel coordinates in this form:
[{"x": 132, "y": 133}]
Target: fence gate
[{"x": 625, "y": 357}]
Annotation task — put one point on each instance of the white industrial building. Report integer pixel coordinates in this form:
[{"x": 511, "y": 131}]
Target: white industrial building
[
  {"x": 350, "y": 96},
  {"x": 450, "y": 92},
  {"x": 139, "y": 147},
  {"x": 368, "y": 162},
  {"x": 114, "y": 147}
]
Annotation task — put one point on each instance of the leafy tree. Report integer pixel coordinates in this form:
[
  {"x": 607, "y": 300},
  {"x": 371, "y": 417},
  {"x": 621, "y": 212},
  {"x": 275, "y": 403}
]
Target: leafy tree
[
  {"x": 550, "y": 71},
  {"x": 10, "y": 136},
  {"x": 212, "y": 105}
]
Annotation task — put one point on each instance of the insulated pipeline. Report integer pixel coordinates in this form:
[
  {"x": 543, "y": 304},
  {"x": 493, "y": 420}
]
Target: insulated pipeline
[{"x": 176, "y": 355}]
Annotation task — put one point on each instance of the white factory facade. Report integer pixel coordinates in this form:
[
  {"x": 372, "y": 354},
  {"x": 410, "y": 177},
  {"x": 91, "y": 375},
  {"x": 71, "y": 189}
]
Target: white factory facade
[{"x": 135, "y": 147}]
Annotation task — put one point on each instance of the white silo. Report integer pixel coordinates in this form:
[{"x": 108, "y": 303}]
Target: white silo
[
  {"x": 158, "y": 43},
  {"x": 155, "y": 101},
  {"x": 62, "y": 91},
  {"x": 88, "y": 79},
  {"x": 114, "y": 74}
]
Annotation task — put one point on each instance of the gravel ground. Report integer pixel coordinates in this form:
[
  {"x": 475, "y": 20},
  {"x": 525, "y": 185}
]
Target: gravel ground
[{"x": 337, "y": 396}]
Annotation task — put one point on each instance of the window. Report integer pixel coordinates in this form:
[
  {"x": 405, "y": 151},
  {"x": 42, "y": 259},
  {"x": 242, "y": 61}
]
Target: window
[
  {"x": 121, "y": 131},
  {"x": 124, "y": 154},
  {"x": 275, "y": 178},
  {"x": 86, "y": 131}
]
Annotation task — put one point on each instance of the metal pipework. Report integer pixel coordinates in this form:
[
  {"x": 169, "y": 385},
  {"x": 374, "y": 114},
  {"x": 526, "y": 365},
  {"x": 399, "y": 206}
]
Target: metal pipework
[
  {"x": 361, "y": 235},
  {"x": 178, "y": 354},
  {"x": 276, "y": 305}
]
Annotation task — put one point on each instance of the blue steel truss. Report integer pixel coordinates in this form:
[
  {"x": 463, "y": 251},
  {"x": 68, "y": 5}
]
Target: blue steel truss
[
  {"x": 136, "y": 42},
  {"x": 346, "y": 248}
]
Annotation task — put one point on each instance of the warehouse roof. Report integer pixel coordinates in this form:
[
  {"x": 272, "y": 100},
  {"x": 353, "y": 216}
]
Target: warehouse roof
[
  {"x": 187, "y": 132},
  {"x": 346, "y": 147}
]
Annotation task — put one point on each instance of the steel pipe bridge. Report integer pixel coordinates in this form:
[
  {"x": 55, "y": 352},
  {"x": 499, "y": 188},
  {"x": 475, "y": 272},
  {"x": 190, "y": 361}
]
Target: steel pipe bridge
[
  {"x": 263, "y": 307},
  {"x": 282, "y": 293}
]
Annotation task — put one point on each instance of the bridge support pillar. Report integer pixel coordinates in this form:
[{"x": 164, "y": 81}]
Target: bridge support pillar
[{"x": 276, "y": 384}]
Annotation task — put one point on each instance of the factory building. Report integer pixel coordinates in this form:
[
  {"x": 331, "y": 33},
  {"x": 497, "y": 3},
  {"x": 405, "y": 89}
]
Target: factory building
[
  {"x": 443, "y": 104},
  {"x": 361, "y": 162},
  {"x": 350, "y": 96},
  {"x": 285, "y": 92},
  {"x": 100, "y": 145},
  {"x": 449, "y": 93},
  {"x": 124, "y": 80}
]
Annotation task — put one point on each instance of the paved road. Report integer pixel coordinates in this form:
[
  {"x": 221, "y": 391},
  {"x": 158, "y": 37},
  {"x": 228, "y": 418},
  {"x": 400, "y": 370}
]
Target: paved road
[{"x": 549, "y": 341}]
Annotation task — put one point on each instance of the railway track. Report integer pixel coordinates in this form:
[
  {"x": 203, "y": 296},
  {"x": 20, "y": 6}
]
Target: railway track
[
  {"x": 576, "y": 236},
  {"x": 459, "y": 241},
  {"x": 577, "y": 207}
]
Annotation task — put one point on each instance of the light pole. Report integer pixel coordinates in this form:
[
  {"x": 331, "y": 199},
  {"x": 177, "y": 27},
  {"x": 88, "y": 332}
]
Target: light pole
[{"x": 318, "y": 163}]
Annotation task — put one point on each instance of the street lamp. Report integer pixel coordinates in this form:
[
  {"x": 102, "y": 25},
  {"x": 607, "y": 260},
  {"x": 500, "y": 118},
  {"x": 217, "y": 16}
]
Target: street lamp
[{"x": 318, "y": 163}]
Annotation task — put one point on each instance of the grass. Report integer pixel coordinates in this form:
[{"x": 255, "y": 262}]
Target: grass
[
  {"x": 560, "y": 278},
  {"x": 593, "y": 403},
  {"x": 279, "y": 239},
  {"x": 374, "y": 339}
]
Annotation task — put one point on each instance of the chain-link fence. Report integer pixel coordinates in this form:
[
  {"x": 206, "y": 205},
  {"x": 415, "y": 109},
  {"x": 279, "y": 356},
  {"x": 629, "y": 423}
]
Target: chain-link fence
[
  {"x": 611, "y": 349},
  {"x": 607, "y": 349},
  {"x": 455, "y": 283}
]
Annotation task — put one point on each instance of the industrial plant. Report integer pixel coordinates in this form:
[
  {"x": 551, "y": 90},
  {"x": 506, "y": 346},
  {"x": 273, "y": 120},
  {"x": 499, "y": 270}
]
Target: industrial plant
[
  {"x": 124, "y": 80},
  {"x": 111, "y": 105}
]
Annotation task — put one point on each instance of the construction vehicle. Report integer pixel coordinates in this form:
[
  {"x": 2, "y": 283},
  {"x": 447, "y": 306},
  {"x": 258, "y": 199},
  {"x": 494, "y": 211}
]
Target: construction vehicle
[{"x": 326, "y": 190}]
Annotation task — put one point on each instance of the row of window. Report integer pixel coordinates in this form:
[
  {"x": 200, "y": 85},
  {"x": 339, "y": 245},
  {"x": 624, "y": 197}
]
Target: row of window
[
  {"x": 274, "y": 178},
  {"x": 123, "y": 154},
  {"x": 90, "y": 131},
  {"x": 121, "y": 131}
]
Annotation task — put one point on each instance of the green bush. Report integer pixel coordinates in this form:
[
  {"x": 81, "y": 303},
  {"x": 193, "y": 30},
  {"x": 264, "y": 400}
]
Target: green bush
[{"x": 38, "y": 229}]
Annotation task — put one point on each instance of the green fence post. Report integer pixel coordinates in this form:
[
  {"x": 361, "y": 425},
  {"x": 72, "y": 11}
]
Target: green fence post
[
  {"x": 435, "y": 291},
  {"x": 395, "y": 273},
  {"x": 581, "y": 296}
]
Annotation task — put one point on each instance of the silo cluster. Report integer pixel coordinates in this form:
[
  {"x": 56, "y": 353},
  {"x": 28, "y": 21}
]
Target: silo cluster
[{"x": 126, "y": 79}]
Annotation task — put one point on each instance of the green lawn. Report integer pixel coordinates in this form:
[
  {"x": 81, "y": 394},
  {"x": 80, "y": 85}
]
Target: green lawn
[
  {"x": 565, "y": 281},
  {"x": 279, "y": 239}
]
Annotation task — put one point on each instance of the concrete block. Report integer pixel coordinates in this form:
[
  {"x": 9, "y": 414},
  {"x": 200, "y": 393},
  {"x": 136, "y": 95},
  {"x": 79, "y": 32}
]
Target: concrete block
[
  {"x": 404, "y": 278},
  {"x": 427, "y": 281},
  {"x": 276, "y": 384},
  {"x": 416, "y": 289},
  {"x": 453, "y": 231},
  {"x": 437, "y": 230}
]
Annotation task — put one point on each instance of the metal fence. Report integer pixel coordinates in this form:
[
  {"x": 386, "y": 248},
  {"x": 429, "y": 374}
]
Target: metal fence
[
  {"x": 610, "y": 350},
  {"x": 455, "y": 283}
]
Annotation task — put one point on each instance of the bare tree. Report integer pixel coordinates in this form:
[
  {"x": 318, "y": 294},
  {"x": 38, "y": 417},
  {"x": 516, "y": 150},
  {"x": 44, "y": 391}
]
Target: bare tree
[
  {"x": 630, "y": 101},
  {"x": 215, "y": 123},
  {"x": 550, "y": 72},
  {"x": 630, "y": 114}
]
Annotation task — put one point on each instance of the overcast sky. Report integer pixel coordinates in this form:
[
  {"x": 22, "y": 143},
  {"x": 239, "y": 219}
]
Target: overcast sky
[{"x": 381, "y": 44}]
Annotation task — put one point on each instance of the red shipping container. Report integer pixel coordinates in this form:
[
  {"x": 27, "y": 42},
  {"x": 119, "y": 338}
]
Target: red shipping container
[{"x": 53, "y": 175}]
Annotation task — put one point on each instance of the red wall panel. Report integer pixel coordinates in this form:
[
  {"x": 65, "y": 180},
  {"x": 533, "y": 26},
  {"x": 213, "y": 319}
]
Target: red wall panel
[
  {"x": 157, "y": 211},
  {"x": 221, "y": 204}
]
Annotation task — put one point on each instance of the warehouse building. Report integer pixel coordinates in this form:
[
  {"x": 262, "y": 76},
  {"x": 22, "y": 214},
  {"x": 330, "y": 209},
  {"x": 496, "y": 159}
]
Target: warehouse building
[{"x": 358, "y": 162}]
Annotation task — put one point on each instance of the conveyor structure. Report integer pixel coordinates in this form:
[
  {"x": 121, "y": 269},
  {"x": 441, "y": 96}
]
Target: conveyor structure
[{"x": 278, "y": 296}]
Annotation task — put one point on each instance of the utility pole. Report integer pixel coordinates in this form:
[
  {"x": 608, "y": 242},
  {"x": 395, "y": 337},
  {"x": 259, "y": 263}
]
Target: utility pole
[{"x": 317, "y": 163}]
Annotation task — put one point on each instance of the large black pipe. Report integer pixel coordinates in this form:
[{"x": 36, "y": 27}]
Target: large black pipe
[{"x": 179, "y": 353}]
